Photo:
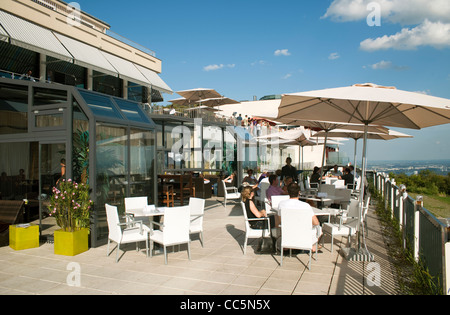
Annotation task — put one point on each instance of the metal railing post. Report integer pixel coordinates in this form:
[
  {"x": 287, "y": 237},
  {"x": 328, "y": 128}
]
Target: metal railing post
[{"x": 417, "y": 205}]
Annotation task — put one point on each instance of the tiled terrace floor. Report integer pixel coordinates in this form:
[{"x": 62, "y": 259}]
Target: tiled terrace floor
[{"x": 218, "y": 268}]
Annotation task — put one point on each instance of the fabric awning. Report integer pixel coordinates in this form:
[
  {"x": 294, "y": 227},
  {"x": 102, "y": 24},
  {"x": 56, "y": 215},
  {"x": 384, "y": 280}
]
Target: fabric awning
[
  {"x": 4, "y": 37},
  {"x": 33, "y": 37},
  {"x": 156, "y": 82},
  {"x": 126, "y": 69},
  {"x": 87, "y": 56}
]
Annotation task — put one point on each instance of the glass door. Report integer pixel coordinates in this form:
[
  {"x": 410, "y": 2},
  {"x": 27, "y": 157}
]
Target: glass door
[{"x": 52, "y": 169}]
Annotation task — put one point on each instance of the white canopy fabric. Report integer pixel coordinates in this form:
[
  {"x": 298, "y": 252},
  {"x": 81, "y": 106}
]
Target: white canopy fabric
[
  {"x": 218, "y": 101},
  {"x": 155, "y": 80},
  {"x": 126, "y": 69},
  {"x": 367, "y": 103},
  {"x": 181, "y": 101},
  {"x": 199, "y": 94},
  {"x": 33, "y": 37},
  {"x": 266, "y": 109},
  {"x": 4, "y": 37},
  {"x": 356, "y": 135},
  {"x": 87, "y": 56}
]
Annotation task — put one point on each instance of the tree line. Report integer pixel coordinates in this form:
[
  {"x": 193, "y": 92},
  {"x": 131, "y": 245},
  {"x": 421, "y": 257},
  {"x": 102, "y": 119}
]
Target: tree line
[{"x": 425, "y": 182}]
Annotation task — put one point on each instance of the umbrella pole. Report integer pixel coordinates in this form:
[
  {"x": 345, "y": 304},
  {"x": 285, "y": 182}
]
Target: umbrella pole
[
  {"x": 354, "y": 163},
  {"x": 323, "y": 157},
  {"x": 359, "y": 253}
]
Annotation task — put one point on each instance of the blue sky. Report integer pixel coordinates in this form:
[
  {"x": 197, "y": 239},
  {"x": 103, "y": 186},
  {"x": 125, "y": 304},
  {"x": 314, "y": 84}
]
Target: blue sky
[{"x": 252, "y": 48}]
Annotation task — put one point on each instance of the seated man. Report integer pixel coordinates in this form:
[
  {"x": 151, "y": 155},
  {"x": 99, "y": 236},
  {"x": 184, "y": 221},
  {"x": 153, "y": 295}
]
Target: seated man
[
  {"x": 274, "y": 188},
  {"x": 294, "y": 203},
  {"x": 335, "y": 172},
  {"x": 348, "y": 177}
]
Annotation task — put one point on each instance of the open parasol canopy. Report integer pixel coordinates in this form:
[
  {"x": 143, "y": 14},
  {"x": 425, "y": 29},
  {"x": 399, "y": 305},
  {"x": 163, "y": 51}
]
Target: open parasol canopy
[
  {"x": 194, "y": 95},
  {"x": 366, "y": 104}
]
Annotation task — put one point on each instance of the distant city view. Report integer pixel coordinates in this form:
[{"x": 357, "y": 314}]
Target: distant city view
[{"x": 440, "y": 167}]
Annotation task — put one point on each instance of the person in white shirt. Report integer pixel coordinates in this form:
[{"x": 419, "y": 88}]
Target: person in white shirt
[{"x": 294, "y": 203}]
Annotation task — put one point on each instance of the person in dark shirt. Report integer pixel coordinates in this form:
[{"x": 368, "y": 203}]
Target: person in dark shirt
[
  {"x": 348, "y": 177},
  {"x": 289, "y": 170},
  {"x": 315, "y": 177}
]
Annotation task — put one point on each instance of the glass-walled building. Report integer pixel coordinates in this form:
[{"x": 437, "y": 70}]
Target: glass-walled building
[{"x": 48, "y": 134}]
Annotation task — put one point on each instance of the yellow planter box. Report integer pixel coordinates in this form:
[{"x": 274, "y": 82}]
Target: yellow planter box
[
  {"x": 23, "y": 237},
  {"x": 71, "y": 243}
]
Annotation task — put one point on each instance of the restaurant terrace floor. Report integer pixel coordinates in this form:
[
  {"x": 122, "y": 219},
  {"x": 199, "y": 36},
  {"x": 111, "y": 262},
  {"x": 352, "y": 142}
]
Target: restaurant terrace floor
[{"x": 218, "y": 268}]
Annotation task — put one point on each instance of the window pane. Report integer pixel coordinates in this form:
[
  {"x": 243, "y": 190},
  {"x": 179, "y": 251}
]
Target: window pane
[
  {"x": 13, "y": 109},
  {"x": 80, "y": 145},
  {"x": 142, "y": 152},
  {"x": 107, "y": 84},
  {"x": 111, "y": 165},
  {"x": 213, "y": 147},
  {"x": 51, "y": 120},
  {"x": 131, "y": 110},
  {"x": 43, "y": 96},
  {"x": 100, "y": 105}
]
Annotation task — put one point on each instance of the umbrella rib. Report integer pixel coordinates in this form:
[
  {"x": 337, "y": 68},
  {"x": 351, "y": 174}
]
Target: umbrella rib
[
  {"x": 384, "y": 114},
  {"x": 356, "y": 110},
  {"x": 351, "y": 115},
  {"x": 301, "y": 102}
]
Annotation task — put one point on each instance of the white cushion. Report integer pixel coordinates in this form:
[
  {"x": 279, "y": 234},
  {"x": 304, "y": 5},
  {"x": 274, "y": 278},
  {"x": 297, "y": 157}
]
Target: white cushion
[{"x": 334, "y": 229}]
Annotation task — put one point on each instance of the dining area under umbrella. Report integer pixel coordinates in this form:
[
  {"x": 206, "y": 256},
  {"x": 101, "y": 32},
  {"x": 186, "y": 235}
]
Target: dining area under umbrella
[
  {"x": 366, "y": 104},
  {"x": 357, "y": 135}
]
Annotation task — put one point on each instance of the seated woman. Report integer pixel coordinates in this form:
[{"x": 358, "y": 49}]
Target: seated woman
[
  {"x": 231, "y": 179},
  {"x": 247, "y": 196}
]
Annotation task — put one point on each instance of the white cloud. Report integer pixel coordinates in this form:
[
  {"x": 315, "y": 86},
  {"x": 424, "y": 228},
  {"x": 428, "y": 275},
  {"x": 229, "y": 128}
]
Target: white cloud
[
  {"x": 287, "y": 76},
  {"x": 405, "y": 12},
  {"x": 386, "y": 65},
  {"x": 282, "y": 52},
  {"x": 334, "y": 56},
  {"x": 217, "y": 67},
  {"x": 435, "y": 34},
  {"x": 259, "y": 62}
]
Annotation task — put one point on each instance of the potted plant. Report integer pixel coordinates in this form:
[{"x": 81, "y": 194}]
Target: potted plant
[{"x": 70, "y": 205}]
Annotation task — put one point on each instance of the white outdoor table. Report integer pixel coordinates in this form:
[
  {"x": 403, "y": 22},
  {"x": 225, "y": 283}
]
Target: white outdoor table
[
  {"x": 147, "y": 213},
  {"x": 317, "y": 212}
]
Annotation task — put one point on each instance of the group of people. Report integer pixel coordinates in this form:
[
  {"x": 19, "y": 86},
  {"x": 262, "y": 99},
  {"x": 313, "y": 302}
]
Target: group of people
[
  {"x": 283, "y": 182},
  {"x": 293, "y": 190},
  {"x": 348, "y": 176},
  {"x": 254, "y": 125}
]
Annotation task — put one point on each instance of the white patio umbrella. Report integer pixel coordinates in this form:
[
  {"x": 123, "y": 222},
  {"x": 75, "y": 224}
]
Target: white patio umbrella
[
  {"x": 181, "y": 101},
  {"x": 199, "y": 94},
  {"x": 218, "y": 101},
  {"x": 366, "y": 104}
]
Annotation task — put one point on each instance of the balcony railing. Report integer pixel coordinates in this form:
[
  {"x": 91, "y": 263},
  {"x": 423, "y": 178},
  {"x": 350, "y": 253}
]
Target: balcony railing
[
  {"x": 77, "y": 16},
  {"x": 423, "y": 234}
]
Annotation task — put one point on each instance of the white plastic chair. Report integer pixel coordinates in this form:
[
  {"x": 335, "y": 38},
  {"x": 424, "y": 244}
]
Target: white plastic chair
[
  {"x": 133, "y": 204},
  {"x": 197, "y": 210},
  {"x": 296, "y": 232},
  {"x": 340, "y": 183},
  {"x": 175, "y": 230},
  {"x": 253, "y": 233},
  {"x": 137, "y": 233},
  {"x": 229, "y": 193},
  {"x": 263, "y": 186},
  {"x": 275, "y": 200},
  {"x": 340, "y": 229}
]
